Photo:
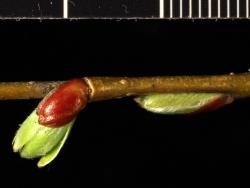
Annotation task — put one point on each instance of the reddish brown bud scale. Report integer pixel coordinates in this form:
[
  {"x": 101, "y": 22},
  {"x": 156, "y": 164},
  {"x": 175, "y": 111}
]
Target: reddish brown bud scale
[
  {"x": 217, "y": 103},
  {"x": 63, "y": 104}
]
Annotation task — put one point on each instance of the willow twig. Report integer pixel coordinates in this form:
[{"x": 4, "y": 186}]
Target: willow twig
[
  {"x": 103, "y": 88},
  {"x": 26, "y": 90}
]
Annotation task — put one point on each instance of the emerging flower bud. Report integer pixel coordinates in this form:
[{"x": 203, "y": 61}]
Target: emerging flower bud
[
  {"x": 45, "y": 131},
  {"x": 63, "y": 104},
  {"x": 183, "y": 103},
  {"x": 33, "y": 140}
]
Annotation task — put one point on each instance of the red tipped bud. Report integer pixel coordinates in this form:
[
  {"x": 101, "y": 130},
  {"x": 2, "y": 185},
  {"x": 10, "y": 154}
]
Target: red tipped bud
[
  {"x": 183, "y": 103},
  {"x": 63, "y": 104},
  {"x": 215, "y": 104}
]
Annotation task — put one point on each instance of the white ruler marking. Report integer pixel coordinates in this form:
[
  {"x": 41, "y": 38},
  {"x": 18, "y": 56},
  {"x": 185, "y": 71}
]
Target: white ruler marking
[
  {"x": 190, "y": 8},
  {"x": 181, "y": 9},
  {"x": 218, "y": 8},
  {"x": 161, "y": 4},
  {"x": 247, "y": 8},
  {"x": 238, "y": 9},
  {"x": 171, "y": 8},
  {"x": 209, "y": 8},
  {"x": 199, "y": 8},
  {"x": 65, "y": 8}
]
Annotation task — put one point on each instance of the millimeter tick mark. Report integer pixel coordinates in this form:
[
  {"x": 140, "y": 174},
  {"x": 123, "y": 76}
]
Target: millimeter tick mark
[
  {"x": 65, "y": 8},
  {"x": 181, "y": 9},
  {"x": 218, "y": 7},
  {"x": 228, "y": 8},
  {"x": 171, "y": 8},
  {"x": 199, "y": 8},
  {"x": 238, "y": 9},
  {"x": 209, "y": 8},
  {"x": 161, "y": 2},
  {"x": 247, "y": 8},
  {"x": 190, "y": 8}
]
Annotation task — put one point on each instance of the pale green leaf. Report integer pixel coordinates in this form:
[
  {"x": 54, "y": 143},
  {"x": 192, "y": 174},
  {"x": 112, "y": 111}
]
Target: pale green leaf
[
  {"x": 26, "y": 132},
  {"x": 33, "y": 140},
  {"x": 176, "y": 103},
  {"x": 55, "y": 151},
  {"x": 43, "y": 142}
]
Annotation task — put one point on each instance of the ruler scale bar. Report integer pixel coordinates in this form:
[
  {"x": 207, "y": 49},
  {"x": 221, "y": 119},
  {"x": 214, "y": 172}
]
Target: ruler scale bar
[{"x": 118, "y": 9}]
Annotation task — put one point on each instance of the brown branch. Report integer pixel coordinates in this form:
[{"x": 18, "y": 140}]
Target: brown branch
[
  {"x": 114, "y": 87},
  {"x": 25, "y": 90},
  {"x": 103, "y": 88}
]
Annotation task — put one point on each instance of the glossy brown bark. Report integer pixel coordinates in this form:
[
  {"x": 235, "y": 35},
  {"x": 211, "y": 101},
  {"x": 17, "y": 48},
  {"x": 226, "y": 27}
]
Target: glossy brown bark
[{"x": 103, "y": 88}]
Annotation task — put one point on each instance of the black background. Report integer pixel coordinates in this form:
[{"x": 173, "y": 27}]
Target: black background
[
  {"x": 31, "y": 8},
  {"x": 116, "y": 141},
  {"x": 114, "y": 8}
]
